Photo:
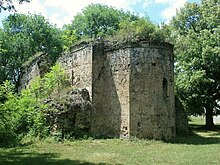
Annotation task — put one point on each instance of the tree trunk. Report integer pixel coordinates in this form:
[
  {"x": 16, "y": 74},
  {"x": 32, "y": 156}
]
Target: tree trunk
[{"x": 209, "y": 124}]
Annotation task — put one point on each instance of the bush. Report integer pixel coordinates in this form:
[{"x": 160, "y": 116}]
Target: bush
[
  {"x": 24, "y": 113},
  {"x": 7, "y": 117},
  {"x": 140, "y": 29}
]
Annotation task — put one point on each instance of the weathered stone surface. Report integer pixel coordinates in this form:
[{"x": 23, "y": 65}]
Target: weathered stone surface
[
  {"x": 36, "y": 67},
  {"x": 181, "y": 118},
  {"x": 131, "y": 87},
  {"x": 78, "y": 66},
  {"x": 72, "y": 113}
]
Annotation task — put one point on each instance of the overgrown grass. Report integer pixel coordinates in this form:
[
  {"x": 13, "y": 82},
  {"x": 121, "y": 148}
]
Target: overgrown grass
[{"x": 200, "y": 147}]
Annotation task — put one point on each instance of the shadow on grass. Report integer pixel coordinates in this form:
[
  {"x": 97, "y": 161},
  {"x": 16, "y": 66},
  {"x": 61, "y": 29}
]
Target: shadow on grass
[
  {"x": 201, "y": 127},
  {"x": 17, "y": 157},
  {"x": 194, "y": 138}
]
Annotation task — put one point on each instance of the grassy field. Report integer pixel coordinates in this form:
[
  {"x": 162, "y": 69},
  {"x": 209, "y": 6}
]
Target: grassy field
[{"x": 200, "y": 147}]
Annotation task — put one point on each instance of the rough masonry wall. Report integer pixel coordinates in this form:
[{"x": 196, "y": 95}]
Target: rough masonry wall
[
  {"x": 111, "y": 92},
  {"x": 152, "y": 112},
  {"x": 131, "y": 87},
  {"x": 78, "y": 66},
  {"x": 37, "y": 67},
  {"x": 182, "y": 126},
  {"x": 133, "y": 91}
]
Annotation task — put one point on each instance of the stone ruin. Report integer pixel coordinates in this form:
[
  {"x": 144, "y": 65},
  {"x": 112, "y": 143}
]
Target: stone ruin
[
  {"x": 130, "y": 86},
  {"x": 33, "y": 68},
  {"x": 71, "y": 116}
]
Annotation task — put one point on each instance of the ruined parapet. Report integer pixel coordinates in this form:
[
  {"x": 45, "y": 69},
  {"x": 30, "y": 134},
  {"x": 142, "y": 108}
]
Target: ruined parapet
[
  {"x": 37, "y": 66},
  {"x": 131, "y": 87}
]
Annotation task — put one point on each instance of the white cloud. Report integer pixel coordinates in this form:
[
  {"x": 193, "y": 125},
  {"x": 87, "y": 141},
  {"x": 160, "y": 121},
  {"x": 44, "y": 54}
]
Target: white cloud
[
  {"x": 55, "y": 19},
  {"x": 147, "y": 3},
  {"x": 66, "y": 9},
  {"x": 52, "y": 3},
  {"x": 35, "y": 6},
  {"x": 62, "y": 12},
  {"x": 170, "y": 11}
]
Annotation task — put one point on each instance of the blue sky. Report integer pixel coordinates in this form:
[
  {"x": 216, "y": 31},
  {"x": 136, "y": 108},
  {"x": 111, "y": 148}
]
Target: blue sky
[{"x": 61, "y": 12}]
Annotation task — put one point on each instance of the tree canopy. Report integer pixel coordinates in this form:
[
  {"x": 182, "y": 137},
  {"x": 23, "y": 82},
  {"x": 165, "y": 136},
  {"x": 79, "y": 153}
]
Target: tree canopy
[
  {"x": 21, "y": 37},
  {"x": 99, "y": 20},
  {"x": 102, "y": 21},
  {"x": 197, "y": 50}
]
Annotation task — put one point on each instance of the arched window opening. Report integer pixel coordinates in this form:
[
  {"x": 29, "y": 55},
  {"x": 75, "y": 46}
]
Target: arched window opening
[{"x": 165, "y": 88}]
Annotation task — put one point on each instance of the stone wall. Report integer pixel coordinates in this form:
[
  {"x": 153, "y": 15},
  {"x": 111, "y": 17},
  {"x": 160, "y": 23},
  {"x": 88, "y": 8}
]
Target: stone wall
[
  {"x": 131, "y": 87},
  {"x": 71, "y": 116},
  {"x": 182, "y": 126},
  {"x": 133, "y": 91},
  {"x": 33, "y": 68},
  {"x": 78, "y": 66},
  {"x": 152, "y": 112},
  {"x": 110, "y": 94}
]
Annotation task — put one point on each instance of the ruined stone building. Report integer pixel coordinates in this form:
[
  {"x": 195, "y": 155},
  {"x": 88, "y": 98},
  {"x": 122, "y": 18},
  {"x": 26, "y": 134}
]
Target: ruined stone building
[{"x": 131, "y": 87}]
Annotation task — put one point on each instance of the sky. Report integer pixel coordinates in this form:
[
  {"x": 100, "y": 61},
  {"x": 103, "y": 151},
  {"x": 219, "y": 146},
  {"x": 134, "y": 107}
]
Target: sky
[{"x": 61, "y": 12}]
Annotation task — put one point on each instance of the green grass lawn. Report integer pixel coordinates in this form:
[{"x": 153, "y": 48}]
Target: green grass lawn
[
  {"x": 200, "y": 147},
  {"x": 197, "y": 120}
]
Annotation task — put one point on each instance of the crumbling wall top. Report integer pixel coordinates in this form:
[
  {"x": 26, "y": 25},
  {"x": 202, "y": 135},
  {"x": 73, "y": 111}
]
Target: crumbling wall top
[{"x": 114, "y": 44}]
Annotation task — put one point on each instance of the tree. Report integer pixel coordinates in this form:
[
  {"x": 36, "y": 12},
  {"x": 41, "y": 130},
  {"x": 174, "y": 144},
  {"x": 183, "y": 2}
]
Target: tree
[
  {"x": 8, "y": 4},
  {"x": 98, "y": 20},
  {"x": 23, "y": 36},
  {"x": 197, "y": 49}
]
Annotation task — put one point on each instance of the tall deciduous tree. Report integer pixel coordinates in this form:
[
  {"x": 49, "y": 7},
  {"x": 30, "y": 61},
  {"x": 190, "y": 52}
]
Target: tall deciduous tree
[
  {"x": 24, "y": 35},
  {"x": 197, "y": 50},
  {"x": 99, "y": 20}
]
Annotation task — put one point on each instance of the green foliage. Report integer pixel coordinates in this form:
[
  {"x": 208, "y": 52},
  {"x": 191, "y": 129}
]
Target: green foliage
[
  {"x": 69, "y": 37},
  {"x": 36, "y": 33},
  {"x": 54, "y": 81},
  {"x": 101, "y": 21},
  {"x": 197, "y": 52},
  {"x": 141, "y": 29},
  {"x": 7, "y": 134},
  {"x": 25, "y": 113},
  {"x": 21, "y": 37},
  {"x": 98, "y": 20}
]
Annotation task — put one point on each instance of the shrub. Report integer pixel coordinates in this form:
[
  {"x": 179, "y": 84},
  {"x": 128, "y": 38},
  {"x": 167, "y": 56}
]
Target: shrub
[{"x": 24, "y": 113}]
